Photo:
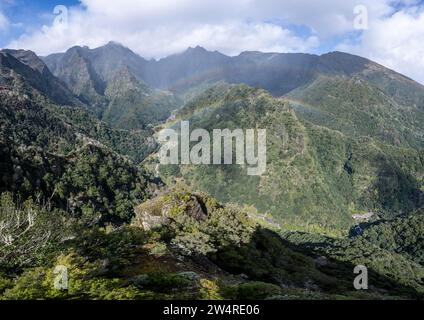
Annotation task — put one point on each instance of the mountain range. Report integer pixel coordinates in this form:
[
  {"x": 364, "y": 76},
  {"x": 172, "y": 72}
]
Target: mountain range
[
  {"x": 300, "y": 77},
  {"x": 344, "y": 180}
]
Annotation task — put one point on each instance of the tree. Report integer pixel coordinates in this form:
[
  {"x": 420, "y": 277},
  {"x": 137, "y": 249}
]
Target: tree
[{"x": 24, "y": 231}]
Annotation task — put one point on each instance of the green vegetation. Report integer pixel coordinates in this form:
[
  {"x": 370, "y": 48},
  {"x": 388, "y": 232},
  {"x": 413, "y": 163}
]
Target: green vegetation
[
  {"x": 356, "y": 108},
  {"x": 387, "y": 256},
  {"x": 133, "y": 105},
  {"x": 344, "y": 182},
  {"x": 66, "y": 157},
  {"x": 317, "y": 178},
  {"x": 403, "y": 235},
  {"x": 29, "y": 233},
  {"x": 239, "y": 259}
]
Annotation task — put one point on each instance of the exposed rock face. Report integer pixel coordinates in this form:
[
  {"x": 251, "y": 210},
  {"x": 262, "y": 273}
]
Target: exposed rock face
[
  {"x": 123, "y": 81},
  {"x": 108, "y": 80},
  {"x": 79, "y": 75},
  {"x": 150, "y": 214},
  {"x": 158, "y": 211},
  {"x": 21, "y": 69},
  {"x": 102, "y": 62},
  {"x": 196, "y": 209},
  {"x": 363, "y": 217},
  {"x": 321, "y": 261},
  {"x": 149, "y": 221}
]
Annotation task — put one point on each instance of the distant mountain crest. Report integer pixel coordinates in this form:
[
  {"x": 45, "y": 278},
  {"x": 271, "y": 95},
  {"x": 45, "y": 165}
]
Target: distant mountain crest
[
  {"x": 24, "y": 68},
  {"x": 281, "y": 74}
]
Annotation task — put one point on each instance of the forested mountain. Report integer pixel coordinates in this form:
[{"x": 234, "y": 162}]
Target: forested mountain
[
  {"x": 340, "y": 91},
  {"x": 317, "y": 178},
  {"x": 134, "y": 105},
  {"x": 81, "y": 185},
  {"x": 65, "y": 155},
  {"x": 278, "y": 73},
  {"x": 23, "y": 70},
  {"x": 108, "y": 79}
]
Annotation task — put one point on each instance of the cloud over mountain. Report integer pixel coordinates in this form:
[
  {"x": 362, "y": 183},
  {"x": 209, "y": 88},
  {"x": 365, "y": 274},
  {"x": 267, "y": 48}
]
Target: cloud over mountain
[
  {"x": 4, "y": 22},
  {"x": 159, "y": 28},
  {"x": 395, "y": 41}
]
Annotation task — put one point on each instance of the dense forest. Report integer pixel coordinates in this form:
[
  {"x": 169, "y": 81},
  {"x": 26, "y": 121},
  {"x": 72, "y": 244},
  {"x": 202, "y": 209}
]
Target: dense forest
[{"x": 82, "y": 188}]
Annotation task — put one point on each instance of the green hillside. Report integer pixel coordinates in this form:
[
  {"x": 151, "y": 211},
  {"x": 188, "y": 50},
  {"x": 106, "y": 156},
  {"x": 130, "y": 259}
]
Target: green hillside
[
  {"x": 133, "y": 105},
  {"x": 194, "y": 251},
  {"x": 316, "y": 178},
  {"x": 81, "y": 185}
]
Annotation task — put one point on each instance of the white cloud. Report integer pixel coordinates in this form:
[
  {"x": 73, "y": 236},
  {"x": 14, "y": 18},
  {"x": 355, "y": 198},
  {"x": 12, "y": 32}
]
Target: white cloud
[
  {"x": 4, "y": 22},
  {"x": 230, "y": 38},
  {"x": 158, "y": 28},
  {"x": 396, "y": 41}
]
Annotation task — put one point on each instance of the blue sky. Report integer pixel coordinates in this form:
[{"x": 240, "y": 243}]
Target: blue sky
[
  {"x": 27, "y": 15},
  {"x": 394, "y": 33}
]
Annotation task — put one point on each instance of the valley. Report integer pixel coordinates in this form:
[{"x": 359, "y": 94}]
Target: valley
[{"x": 82, "y": 185}]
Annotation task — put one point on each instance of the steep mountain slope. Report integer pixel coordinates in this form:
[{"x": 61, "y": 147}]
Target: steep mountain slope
[
  {"x": 357, "y": 108},
  {"x": 343, "y": 92},
  {"x": 75, "y": 69},
  {"x": 62, "y": 155},
  {"x": 340, "y": 91},
  {"x": 316, "y": 178},
  {"x": 186, "y": 69},
  {"x": 185, "y": 245},
  {"x": 92, "y": 183},
  {"x": 105, "y": 60},
  {"x": 391, "y": 104},
  {"x": 344, "y": 155},
  {"x": 402, "y": 89},
  {"x": 393, "y": 248},
  {"x": 403, "y": 235},
  {"x": 133, "y": 104},
  {"x": 109, "y": 80},
  {"x": 278, "y": 73},
  {"x": 337, "y": 90},
  {"x": 23, "y": 70}
]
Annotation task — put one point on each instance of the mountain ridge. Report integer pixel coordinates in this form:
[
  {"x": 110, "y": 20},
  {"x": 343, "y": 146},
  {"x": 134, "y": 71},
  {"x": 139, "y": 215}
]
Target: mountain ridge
[
  {"x": 345, "y": 165},
  {"x": 148, "y": 69},
  {"x": 20, "y": 67}
]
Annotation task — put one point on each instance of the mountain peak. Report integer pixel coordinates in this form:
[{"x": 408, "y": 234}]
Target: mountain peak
[
  {"x": 76, "y": 48},
  {"x": 196, "y": 50},
  {"x": 27, "y": 57},
  {"x": 32, "y": 71},
  {"x": 113, "y": 45}
]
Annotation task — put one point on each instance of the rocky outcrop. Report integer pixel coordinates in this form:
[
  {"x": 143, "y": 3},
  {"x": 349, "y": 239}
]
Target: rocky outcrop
[{"x": 159, "y": 211}]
